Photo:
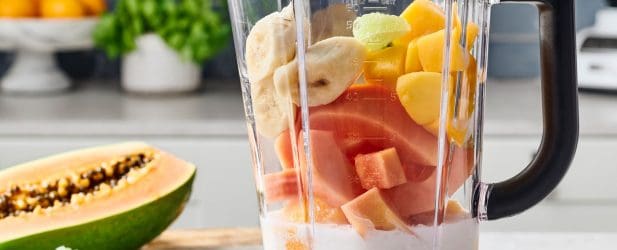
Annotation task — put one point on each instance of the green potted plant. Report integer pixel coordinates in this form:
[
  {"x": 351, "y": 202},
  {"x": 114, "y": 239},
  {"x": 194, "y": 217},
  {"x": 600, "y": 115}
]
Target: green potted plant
[{"x": 163, "y": 43}]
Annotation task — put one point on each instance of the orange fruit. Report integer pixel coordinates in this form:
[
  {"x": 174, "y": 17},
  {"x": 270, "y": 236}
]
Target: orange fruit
[
  {"x": 61, "y": 9},
  {"x": 94, "y": 7},
  {"x": 18, "y": 8}
]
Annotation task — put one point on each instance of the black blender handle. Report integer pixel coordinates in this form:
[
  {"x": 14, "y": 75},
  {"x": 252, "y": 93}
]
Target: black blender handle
[{"x": 560, "y": 111}]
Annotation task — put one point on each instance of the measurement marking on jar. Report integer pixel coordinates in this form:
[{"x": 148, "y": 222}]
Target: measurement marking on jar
[{"x": 374, "y": 98}]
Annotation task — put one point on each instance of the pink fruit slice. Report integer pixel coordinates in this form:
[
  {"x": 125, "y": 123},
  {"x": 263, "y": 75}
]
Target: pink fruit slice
[
  {"x": 370, "y": 211},
  {"x": 414, "y": 198},
  {"x": 381, "y": 169},
  {"x": 334, "y": 179},
  {"x": 372, "y": 117},
  {"x": 282, "y": 147},
  {"x": 281, "y": 186}
]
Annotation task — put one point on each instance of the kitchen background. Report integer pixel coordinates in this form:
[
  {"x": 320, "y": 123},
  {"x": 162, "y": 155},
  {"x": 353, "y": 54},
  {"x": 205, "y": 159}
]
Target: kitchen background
[
  {"x": 514, "y": 47},
  {"x": 208, "y": 129}
]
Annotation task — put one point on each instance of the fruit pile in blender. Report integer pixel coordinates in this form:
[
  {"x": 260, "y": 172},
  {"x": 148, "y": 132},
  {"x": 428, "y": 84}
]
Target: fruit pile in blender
[{"x": 374, "y": 105}]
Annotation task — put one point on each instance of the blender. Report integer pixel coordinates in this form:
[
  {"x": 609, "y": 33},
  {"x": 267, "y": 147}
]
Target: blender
[{"x": 365, "y": 120}]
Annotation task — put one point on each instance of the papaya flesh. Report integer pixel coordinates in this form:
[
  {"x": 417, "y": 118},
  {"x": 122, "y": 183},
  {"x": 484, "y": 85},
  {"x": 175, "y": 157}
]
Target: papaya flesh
[{"x": 112, "y": 197}]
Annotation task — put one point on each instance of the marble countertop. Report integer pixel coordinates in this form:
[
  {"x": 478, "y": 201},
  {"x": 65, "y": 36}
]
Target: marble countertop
[{"x": 512, "y": 108}]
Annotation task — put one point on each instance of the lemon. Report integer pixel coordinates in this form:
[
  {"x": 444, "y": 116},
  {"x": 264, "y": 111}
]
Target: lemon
[{"x": 377, "y": 30}]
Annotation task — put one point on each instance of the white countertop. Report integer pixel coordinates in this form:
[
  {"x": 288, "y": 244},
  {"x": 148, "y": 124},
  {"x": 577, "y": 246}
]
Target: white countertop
[
  {"x": 512, "y": 108},
  {"x": 530, "y": 241},
  {"x": 547, "y": 241}
]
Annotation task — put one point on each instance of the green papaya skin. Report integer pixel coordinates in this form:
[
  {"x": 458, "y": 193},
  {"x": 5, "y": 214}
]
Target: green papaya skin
[{"x": 124, "y": 231}]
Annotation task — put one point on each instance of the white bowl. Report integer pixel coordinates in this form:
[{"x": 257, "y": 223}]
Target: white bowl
[{"x": 34, "y": 41}]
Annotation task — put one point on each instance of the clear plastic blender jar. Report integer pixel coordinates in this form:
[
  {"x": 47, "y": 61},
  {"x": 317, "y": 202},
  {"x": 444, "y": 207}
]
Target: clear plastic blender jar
[{"x": 365, "y": 120}]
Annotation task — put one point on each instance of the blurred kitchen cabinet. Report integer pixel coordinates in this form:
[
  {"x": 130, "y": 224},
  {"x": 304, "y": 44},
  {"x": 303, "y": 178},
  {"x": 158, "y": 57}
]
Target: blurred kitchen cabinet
[
  {"x": 586, "y": 199},
  {"x": 506, "y": 156},
  {"x": 593, "y": 174}
]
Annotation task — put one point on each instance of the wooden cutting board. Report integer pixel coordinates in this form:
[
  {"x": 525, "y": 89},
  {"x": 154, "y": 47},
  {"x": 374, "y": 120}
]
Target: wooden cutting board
[{"x": 206, "y": 239}]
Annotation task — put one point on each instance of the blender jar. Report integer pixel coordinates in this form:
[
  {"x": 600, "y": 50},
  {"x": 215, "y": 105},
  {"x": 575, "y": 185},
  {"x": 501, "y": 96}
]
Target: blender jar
[{"x": 365, "y": 120}]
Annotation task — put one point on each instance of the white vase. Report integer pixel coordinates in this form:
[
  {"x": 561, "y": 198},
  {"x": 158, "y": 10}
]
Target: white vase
[{"x": 155, "y": 68}]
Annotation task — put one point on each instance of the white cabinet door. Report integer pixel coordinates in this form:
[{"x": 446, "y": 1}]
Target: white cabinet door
[
  {"x": 593, "y": 174},
  {"x": 223, "y": 192},
  {"x": 504, "y": 157}
]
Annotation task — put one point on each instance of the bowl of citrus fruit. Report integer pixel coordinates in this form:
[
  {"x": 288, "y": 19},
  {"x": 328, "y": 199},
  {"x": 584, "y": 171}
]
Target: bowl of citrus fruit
[{"x": 34, "y": 30}]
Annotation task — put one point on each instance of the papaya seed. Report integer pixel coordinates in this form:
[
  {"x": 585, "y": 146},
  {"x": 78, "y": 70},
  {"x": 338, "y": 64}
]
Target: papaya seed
[
  {"x": 83, "y": 184},
  {"x": 63, "y": 183},
  {"x": 19, "y": 204},
  {"x": 62, "y": 192},
  {"x": 75, "y": 189},
  {"x": 109, "y": 169}
]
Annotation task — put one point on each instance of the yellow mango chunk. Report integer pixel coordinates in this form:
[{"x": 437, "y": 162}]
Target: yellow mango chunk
[
  {"x": 385, "y": 66},
  {"x": 471, "y": 35},
  {"x": 430, "y": 51},
  {"x": 420, "y": 95},
  {"x": 412, "y": 61},
  {"x": 424, "y": 17},
  {"x": 458, "y": 129},
  {"x": 472, "y": 29}
]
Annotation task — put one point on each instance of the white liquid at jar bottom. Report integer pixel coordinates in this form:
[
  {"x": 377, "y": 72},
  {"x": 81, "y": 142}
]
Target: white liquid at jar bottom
[{"x": 460, "y": 235}]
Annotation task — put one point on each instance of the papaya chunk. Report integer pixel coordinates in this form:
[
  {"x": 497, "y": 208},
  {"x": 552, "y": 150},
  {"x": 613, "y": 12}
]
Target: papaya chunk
[
  {"x": 281, "y": 186},
  {"x": 413, "y": 198},
  {"x": 283, "y": 149},
  {"x": 334, "y": 179},
  {"x": 370, "y": 211},
  {"x": 381, "y": 169},
  {"x": 372, "y": 117},
  {"x": 324, "y": 213}
]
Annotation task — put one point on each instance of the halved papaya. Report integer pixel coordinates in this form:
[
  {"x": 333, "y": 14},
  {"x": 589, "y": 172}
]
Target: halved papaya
[
  {"x": 372, "y": 118},
  {"x": 112, "y": 197}
]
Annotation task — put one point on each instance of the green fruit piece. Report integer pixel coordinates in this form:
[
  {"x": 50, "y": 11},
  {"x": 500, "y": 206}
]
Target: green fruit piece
[
  {"x": 127, "y": 217},
  {"x": 377, "y": 30}
]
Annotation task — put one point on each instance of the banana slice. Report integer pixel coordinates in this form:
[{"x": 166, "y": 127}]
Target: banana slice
[
  {"x": 288, "y": 12},
  {"x": 272, "y": 112},
  {"x": 270, "y": 44},
  {"x": 331, "y": 66}
]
